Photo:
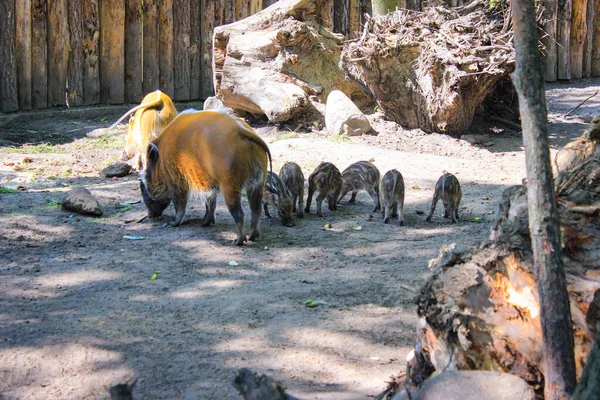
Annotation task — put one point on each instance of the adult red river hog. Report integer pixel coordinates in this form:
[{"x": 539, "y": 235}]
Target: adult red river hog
[
  {"x": 199, "y": 153},
  {"x": 149, "y": 119}
]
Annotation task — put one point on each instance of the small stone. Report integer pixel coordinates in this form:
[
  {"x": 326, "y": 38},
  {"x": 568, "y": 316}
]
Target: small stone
[
  {"x": 81, "y": 201},
  {"x": 343, "y": 117},
  {"x": 119, "y": 169}
]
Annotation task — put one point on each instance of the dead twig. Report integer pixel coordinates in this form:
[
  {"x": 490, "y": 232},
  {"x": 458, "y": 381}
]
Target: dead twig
[{"x": 580, "y": 104}]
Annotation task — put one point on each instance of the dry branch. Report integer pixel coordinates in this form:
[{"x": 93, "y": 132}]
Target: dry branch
[{"x": 432, "y": 69}]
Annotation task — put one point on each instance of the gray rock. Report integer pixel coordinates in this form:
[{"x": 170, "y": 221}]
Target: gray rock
[
  {"x": 81, "y": 201},
  {"x": 215, "y": 104},
  {"x": 474, "y": 139},
  {"x": 343, "y": 117},
  {"x": 119, "y": 169},
  {"x": 471, "y": 385}
]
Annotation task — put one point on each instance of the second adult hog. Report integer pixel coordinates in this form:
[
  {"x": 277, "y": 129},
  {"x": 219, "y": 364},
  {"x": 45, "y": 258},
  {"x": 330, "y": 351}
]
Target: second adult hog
[
  {"x": 279, "y": 196},
  {"x": 391, "y": 193},
  {"x": 358, "y": 176},
  {"x": 447, "y": 188},
  {"x": 327, "y": 180},
  {"x": 292, "y": 177}
]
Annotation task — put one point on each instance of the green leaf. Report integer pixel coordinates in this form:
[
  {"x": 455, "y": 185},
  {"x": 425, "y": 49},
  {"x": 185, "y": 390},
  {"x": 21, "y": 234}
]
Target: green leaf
[{"x": 310, "y": 303}]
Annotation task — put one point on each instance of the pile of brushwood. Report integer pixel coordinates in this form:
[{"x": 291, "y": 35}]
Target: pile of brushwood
[
  {"x": 479, "y": 310},
  {"x": 432, "y": 69}
]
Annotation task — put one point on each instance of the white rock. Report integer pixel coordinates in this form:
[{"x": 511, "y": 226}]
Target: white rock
[{"x": 343, "y": 117}]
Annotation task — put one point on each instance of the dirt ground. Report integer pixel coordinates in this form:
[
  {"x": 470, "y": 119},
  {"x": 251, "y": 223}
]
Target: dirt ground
[{"x": 79, "y": 310}]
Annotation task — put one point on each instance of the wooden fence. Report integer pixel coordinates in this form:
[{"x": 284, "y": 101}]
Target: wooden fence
[{"x": 83, "y": 52}]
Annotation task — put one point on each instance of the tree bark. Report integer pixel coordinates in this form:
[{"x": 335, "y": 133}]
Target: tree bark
[{"x": 543, "y": 215}]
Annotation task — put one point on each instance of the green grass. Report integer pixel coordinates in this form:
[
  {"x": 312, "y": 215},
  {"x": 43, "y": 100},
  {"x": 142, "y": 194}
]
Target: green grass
[
  {"x": 52, "y": 205},
  {"x": 339, "y": 139},
  {"x": 108, "y": 142},
  {"x": 42, "y": 148},
  {"x": 290, "y": 135},
  {"x": 5, "y": 190}
]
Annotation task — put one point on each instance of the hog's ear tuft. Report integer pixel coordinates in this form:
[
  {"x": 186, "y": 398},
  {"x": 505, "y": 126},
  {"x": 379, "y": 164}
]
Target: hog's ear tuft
[{"x": 152, "y": 153}]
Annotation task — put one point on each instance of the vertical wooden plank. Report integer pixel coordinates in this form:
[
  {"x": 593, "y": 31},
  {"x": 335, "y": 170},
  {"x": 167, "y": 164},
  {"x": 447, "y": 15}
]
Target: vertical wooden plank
[
  {"x": 255, "y": 6},
  {"x": 596, "y": 41},
  {"x": 91, "y": 52},
  {"x": 327, "y": 14},
  {"x": 76, "y": 58},
  {"x": 58, "y": 52},
  {"x": 589, "y": 39},
  {"x": 207, "y": 26},
  {"x": 341, "y": 16},
  {"x": 8, "y": 68},
  {"x": 181, "y": 46},
  {"x": 23, "y": 52},
  {"x": 355, "y": 27},
  {"x": 39, "y": 71},
  {"x": 112, "y": 51},
  {"x": 229, "y": 11},
  {"x": 551, "y": 56},
  {"x": 165, "y": 52},
  {"x": 133, "y": 51},
  {"x": 195, "y": 44},
  {"x": 240, "y": 9},
  {"x": 151, "y": 71},
  {"x": 219, "y": 12},
  {"x": 578, "y": 32},
  {"x": 564, "y": 39},
  {"x": 267, "y": 3}
]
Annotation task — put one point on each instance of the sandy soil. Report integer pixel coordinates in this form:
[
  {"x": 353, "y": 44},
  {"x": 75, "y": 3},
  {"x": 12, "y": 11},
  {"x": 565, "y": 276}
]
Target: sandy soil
[{"x": 79, "y": 311}]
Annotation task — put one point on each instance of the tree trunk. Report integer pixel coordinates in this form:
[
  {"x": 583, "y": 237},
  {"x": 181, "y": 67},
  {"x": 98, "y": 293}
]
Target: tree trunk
[
  {"x": 565, "y": 9},
  {"x": 578, "y": 33},
  {"x": 543, "y": 215},
  {"x": 425, "y": 71},
  {"x": 271, "y": 62}
]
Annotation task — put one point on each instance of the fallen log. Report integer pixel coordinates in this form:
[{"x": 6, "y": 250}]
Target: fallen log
[
  {"x": 480, "y": 311},
  {"x": 432, "y": 69},
  {"x": 272, "y": 62}
]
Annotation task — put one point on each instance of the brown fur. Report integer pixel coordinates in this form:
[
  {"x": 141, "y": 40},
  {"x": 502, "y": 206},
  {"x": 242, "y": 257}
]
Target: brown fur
[
  {"x": 391, "y": 193},
  {"x": 327, "y": 180},
  {"x": 201, "y": 152},
  {"x": 448, "y": 189},
  {"x": 150, "y": 118},
  {"x": 279, "y": 196},
  {"x": 292, "y": 177}
]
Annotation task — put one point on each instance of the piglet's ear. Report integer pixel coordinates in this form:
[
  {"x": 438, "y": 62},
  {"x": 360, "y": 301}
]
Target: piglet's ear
[{"x": 152, "y": 153}]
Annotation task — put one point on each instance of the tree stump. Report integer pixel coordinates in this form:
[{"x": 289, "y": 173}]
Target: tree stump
[
  {"x": 480, "y": 311},
  {"x": 271, "y": 62},
  {"x": 432, "y": 69}
]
